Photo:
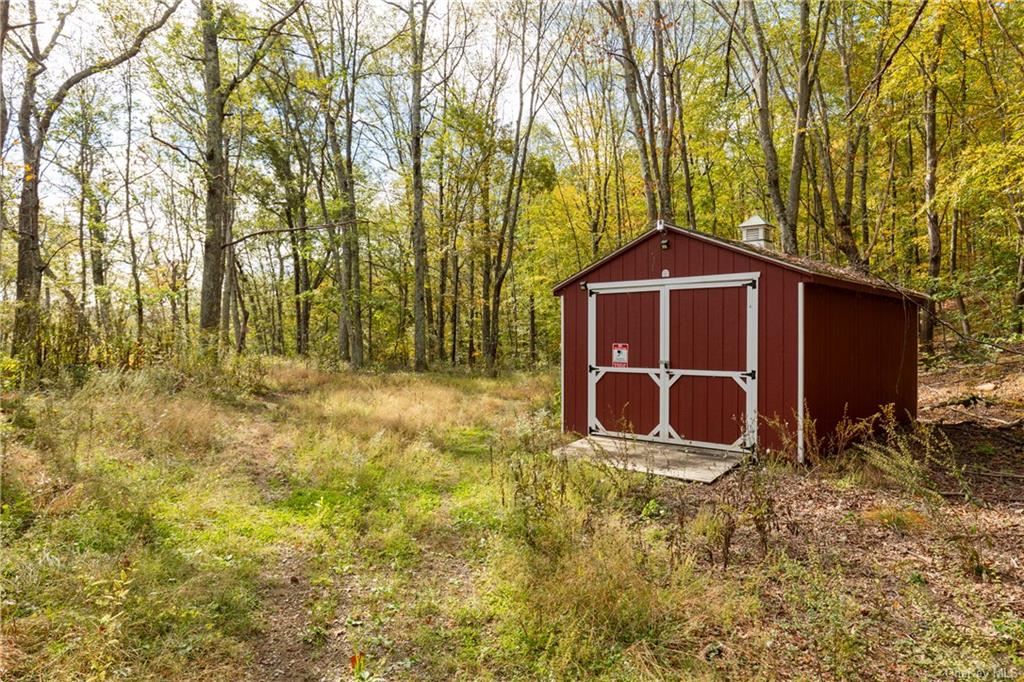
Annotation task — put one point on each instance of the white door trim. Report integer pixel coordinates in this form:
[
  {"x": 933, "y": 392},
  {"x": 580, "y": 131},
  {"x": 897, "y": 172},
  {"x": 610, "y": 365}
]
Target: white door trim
[
  {"x": 734, "y": 279},
  {"x": 665, "y": 376}
]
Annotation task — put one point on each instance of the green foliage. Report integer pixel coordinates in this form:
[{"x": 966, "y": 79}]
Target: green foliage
[
  {"x": 428, "y": 527},
  {"x": 834, "y": 623}
]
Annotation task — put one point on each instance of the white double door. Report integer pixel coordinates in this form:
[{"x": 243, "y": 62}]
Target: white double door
[{"x": 674, "y": 360}]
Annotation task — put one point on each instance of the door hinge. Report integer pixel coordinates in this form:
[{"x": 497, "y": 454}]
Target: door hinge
[
  {"x": 752, "y": 284},
  {"x": 591, "y": 369},
  {"x": 752, "y": 374}
]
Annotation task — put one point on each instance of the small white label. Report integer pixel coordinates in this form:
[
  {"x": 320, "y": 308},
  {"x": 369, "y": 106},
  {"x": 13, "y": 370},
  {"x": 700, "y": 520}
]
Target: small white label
[
  {"x": 664, "y": 273},
  {"x": 620, "y": 355}
]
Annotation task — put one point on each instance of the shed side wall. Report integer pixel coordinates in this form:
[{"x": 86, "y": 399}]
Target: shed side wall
[
  {"x": 860, "y": 353},
  {"x": 689, "y": 257}
]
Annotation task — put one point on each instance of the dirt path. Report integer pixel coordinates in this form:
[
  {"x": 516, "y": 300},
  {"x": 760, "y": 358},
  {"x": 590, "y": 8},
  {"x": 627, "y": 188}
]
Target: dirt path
[
  {"x": 281, "y": 653},
  {"x": 294, "y": 643}
]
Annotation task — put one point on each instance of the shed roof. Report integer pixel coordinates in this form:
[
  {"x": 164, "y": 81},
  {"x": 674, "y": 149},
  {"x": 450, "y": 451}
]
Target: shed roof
[{"x": 819, "y": 271}]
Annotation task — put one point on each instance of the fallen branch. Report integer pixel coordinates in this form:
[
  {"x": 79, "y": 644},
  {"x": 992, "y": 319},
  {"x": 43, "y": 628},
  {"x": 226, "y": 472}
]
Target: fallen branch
[
  {"x": 1001, "y": 423},
  {"x": 965, "y": 402},
  {"x": 995, "y": 474}
]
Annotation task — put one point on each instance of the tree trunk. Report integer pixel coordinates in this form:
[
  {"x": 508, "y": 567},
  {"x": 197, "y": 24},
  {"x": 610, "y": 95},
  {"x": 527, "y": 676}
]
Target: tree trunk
[
  {"x": 98, "y": 261},
  {"x": 227, "y": 294},
  {"x": 533, "y": 332},
  {"x": 684, "y": 154},
  {"x": 442, "y": 285},
  {"x": 931, "y": 159},
  {"x": 803, "y": 108},
  {"x": 664, "y": 124},
  {"x": 471, "y": 345},
  {"x": 419, "y": 235},
  {"x": 958, "y": 297},
  {"x": 132, "y": 250},
  {"x": 1018, "y": 291},
  {"x": 617, "y": 11},
  {"x": 766, "y": 137},
  {"x": 455, "y": 309},
  {"x": 28, "y": 283},
  {"x": 216, "y": 180},
  {"x": 485, "y": 275}
]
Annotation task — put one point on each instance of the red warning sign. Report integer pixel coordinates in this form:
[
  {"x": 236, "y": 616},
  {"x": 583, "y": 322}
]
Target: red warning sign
[{"x": 620, "y": 355}]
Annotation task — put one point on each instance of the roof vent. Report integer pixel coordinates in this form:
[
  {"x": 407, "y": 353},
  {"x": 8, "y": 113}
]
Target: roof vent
[{"x": 756, "y": 232}]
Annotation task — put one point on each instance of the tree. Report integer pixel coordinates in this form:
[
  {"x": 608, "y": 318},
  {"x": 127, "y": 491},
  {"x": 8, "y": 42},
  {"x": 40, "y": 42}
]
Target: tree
[
  {"x": 657, "y": 179},
  {"x": 530, "y": 31},
  {"x": 216, "y": 96},
  {"x": 34, "y": 123},
  {"x": 931, "y": 152},
  {"x": 340, "y": 52},
  {"x": 761, "y": 61},
  {"x": 417, "y": 28}
]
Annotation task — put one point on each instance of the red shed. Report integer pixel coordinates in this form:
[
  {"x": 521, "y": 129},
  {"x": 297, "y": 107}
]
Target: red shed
[{"x": 683, "y": 338}]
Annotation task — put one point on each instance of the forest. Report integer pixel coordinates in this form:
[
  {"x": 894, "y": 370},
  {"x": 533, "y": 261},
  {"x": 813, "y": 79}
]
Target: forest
[
  {"x": 280, "y": 350},
  {"x": 400, "y": 186}
]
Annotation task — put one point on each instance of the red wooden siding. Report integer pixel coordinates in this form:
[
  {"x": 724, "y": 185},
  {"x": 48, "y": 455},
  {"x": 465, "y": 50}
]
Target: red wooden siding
[
  {"x": 709, "y": 332},
  {"x": 627, "y": 402},
  {"x": 628, "y": 318},
  {"x": 708, "y": 409},
  {"x": 709, "y": 329},
  {"x": 860, "y": 352},
  {"x": 687, "y": 257}
]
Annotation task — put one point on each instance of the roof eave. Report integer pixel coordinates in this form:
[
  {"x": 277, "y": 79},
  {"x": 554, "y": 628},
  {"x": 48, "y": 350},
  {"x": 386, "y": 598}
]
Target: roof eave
[
  {"x": 889, "y": 291},
  {"x": 814, "y": 275}
]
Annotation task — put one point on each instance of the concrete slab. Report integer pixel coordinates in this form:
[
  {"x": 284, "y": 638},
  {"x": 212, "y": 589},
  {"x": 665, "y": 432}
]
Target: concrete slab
[{"x": 673, "y": 461}]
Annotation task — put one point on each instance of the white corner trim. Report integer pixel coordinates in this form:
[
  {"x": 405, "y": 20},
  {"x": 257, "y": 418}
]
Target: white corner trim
[
  {"x": 665, "y": 332},
  {"x": 591, "y": 359},
  {"x": 800, "y": 372},
  {"x": 561, "y": 353},
  {"x": 753, "y": 353}
]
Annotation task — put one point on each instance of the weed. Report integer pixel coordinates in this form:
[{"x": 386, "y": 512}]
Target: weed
[
  {"x": 440, "y": 534},
  {"x": 916, "y": 578},
  {"x": 834, "y": 623},
  {"x": 985, "y": 448},
  {"x": 902, "y": 457},
  {"x": 901, "y": 521},
  {"x": 712, "y": 530},
  {"x": 577, "y": 613},
  {"x": 652, "y": 510},
  {"x": 1010, "y": 629},
  {"x": 314, "y": 635}
]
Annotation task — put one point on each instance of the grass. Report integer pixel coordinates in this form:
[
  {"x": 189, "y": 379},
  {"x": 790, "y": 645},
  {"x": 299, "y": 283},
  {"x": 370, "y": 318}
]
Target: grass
[
  {"x": 902, "y": 521},
  {"x": 165, "y": 526}
]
